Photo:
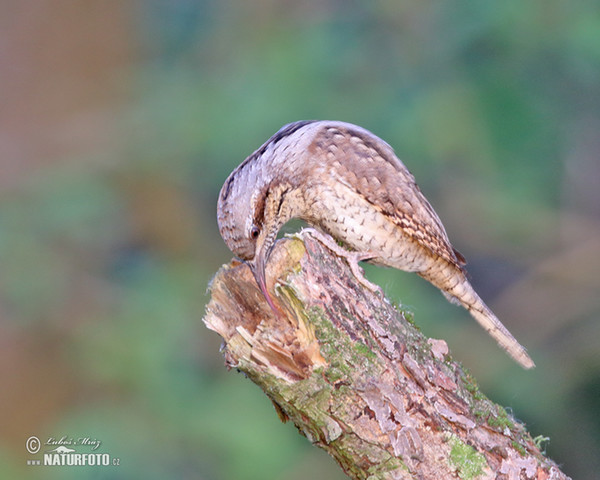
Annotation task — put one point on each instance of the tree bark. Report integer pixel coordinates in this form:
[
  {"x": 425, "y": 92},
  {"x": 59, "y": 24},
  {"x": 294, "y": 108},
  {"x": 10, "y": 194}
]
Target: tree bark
[{"x": 358, "y": 379}]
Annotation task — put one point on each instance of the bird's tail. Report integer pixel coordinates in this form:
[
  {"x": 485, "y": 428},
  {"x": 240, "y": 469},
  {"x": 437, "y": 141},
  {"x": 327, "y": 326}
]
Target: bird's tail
[
  {"x": 462, "y": 293},
  {"x": 500, "y": 333}
]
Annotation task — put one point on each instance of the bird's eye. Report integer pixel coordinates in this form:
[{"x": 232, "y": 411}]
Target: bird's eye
[{"x": 254, "y": 232}]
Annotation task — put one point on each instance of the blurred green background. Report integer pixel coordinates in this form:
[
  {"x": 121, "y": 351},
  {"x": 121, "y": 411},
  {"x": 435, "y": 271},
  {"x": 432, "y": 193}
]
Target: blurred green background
[{"x": 119, "y": 122}]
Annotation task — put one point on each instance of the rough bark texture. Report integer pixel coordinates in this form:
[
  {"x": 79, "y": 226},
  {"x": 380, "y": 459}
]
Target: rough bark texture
[{"x": 358, "y": 379}]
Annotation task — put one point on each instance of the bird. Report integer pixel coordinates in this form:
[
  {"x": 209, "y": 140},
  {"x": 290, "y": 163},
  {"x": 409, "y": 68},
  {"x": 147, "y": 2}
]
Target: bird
[{"x": 349, "y": 184}]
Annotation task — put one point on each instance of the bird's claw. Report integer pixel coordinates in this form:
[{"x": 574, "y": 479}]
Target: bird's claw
[{"x": 351, "y": 257}]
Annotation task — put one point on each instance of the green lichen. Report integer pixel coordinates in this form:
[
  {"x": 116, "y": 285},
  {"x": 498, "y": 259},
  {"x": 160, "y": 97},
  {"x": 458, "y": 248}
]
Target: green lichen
[
  {"x": 468, "y": 462},
  {"x": 519, "y": 448},
  {"x": 539, "y": 440},
  {"x": 501, "y": 420},
  {"x": 383, "y": 470},
  {"x": 334, "y": 375},
  {"x": 333, "y": 341},
  {"x": 407, "y": 314},
  {"x": 480, "y": 414},
  {"x": 409, "y": 317},
  {"x": 472, "y": 387},
  {"x": 333, "y": 345},
  {"x": 363, "y": 351}
]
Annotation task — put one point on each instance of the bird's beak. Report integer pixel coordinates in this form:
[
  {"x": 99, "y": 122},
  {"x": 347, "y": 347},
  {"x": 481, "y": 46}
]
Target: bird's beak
[{"x": 258, "y": 269}]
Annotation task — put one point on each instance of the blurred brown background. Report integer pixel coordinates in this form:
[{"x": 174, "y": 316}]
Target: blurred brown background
[{"x": 119, "y": 122}]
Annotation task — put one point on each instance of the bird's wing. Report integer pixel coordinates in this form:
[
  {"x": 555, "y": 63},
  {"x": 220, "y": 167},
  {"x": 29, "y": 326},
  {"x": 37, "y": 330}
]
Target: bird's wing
[{"x": 369, "y": 165}]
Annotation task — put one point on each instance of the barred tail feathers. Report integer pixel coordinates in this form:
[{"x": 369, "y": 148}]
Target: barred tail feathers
[
  {"x": 486, "y": 318},
  {"x": 462, "y": 293}
]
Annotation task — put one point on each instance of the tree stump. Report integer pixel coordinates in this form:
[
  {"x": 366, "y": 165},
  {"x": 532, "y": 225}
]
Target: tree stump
[{"x": 358, "y": 378}]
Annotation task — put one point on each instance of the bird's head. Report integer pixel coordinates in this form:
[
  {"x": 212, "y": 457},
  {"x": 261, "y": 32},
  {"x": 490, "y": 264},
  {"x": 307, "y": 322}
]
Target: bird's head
[
  {"x": 251, "y": 210},
  {"x": 260, "y": 196}
]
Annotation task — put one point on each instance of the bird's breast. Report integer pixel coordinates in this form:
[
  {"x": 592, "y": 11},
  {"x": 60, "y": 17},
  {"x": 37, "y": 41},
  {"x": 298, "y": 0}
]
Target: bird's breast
[{"x": 349, "y": 217}]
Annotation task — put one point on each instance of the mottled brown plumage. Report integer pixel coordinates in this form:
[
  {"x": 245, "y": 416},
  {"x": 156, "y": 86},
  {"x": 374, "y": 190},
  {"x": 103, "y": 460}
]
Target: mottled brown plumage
[{"x": 348, "y": 183}]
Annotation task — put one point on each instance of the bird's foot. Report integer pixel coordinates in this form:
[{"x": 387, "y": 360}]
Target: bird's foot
[{"x": 351, "y": 257}]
